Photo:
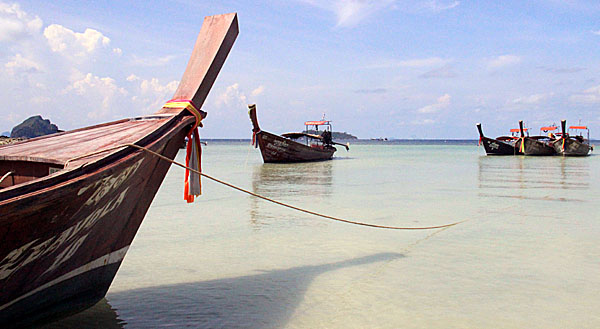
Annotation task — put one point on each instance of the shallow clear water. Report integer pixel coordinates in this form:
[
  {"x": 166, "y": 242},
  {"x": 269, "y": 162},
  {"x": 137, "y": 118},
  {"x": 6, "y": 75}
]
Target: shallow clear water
[{"x": 526, "y": 257}]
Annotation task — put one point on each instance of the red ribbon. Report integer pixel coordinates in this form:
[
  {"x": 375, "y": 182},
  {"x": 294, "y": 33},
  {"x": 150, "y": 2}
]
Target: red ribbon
[{"x": 190, "y": 189}]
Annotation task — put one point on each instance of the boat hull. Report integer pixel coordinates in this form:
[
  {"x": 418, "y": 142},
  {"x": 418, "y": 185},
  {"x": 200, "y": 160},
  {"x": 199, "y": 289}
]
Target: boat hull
[
  {"x": 571, "y": 147},
  {"x": 497, "y": 147},
  {"x": 536, "y": 147},
  {"x": 62, "y": 245},
  {"x": 275, "y": 149}
]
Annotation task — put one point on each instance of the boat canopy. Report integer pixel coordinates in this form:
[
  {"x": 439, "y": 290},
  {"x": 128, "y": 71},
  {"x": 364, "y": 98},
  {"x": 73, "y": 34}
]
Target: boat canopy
[
  {"x": 578, "y": 127},
  {"x": 550, "y": 128},
  {"x": 516, "y": 130},
  {"x": 298, "y": 135},
  {"x": 316, "y": 123}
]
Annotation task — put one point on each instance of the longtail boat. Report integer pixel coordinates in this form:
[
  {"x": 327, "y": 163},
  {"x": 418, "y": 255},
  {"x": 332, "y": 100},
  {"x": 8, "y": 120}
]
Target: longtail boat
[
  {"x": 285, "y": 148},
  {"x": 72, "y": 202},
  {"x": 502, "y": 145},
  {"x": 535, "y": 145},
  {"x": 572, "y": 145}
]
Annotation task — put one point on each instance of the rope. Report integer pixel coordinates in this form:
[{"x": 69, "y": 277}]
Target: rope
[{"x": 269, "y": 199}]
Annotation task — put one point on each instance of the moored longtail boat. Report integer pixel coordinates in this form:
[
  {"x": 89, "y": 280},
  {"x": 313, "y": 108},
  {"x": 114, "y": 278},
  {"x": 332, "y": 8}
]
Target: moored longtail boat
[
  {"x": 275, "y": 148},
  {"x": 72, "y": 202},
  {"x": 568, "y": 145},
  {"x": 502, "y": 145},
  {"x": 534, "y": 145}
]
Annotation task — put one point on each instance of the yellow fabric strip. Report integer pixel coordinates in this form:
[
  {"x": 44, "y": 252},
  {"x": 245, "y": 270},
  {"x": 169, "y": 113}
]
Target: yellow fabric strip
[{"x": 185, "y": 105}]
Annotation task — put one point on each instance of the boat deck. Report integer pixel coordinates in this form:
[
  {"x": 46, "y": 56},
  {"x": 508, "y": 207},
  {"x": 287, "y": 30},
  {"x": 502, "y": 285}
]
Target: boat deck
[{"x": 71, "y": 144}]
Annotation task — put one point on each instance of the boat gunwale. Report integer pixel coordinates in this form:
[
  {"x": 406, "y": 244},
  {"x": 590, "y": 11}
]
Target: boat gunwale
[{"x": 69, "y": 175}]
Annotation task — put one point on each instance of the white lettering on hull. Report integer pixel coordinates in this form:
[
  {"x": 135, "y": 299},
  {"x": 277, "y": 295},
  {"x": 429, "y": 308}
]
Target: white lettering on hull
[
  {"x": 72, "y": 238},
  {"x": 111, "y": 258}
]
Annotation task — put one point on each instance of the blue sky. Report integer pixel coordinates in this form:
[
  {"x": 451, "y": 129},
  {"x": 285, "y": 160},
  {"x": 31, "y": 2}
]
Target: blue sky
[{"x": 396, "y": 69}]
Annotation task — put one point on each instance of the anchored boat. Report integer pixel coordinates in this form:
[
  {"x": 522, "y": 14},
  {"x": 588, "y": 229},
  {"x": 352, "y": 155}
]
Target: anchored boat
[
  {"x": 72, "y": 202},
  {"x": 572, "y": 144},
  {"x": 502, "y": 145},
  {"x": 535, "y": 145},
  {"x": 285, "y": 148}
]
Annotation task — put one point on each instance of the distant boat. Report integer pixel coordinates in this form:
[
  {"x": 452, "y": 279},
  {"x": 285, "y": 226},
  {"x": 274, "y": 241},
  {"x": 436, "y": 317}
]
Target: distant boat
[
  {"x": 502, "y": 145},
  {"x": 572, "y": 145},
  {"x": 535, "y": 145},
  {"x": 72, "y": 202},
  {"x": 285, "y": 148}
]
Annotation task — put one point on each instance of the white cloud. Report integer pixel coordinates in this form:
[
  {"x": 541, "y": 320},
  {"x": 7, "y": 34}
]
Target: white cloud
[
  {"x": 258, "y": 91},
  {"x": 532, "y": 99},
  {"x": 445, "y": 71},
  {"x": 20, "y": 64},
  {"x": 150, "y": 94},
  {"x": 503, "y": 61},
  {"x": 65, "y": 73},
  {"x": 133, "y": 77},
  {"x": 103, "y": 91},
  {"x": 589, "y": 96},
  {"x": 62, "y": 39},
  {"x": 438, "y": 6},
  {"x": 596, "y": 32},
  {"x": 441, "y": 103},
  {"x": 350, "y": 13},
  {"x": 152, "y": 86},
  {"x": 160, "y": 61},
  {"x": 232, "y": 96},
  {"x": 423, "y": 122},
  {"x": 15, "y": 23},
  {"x": 411, "y": 63}
]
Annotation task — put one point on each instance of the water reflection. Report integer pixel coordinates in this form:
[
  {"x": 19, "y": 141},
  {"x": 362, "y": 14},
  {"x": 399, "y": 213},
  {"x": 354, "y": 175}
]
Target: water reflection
[
  {"x": 291, "y": 181},
  {"x": 535, "y": 178},
  {"x": 264, "y": 300},
  {"x": 101, "y": 315},
  {"x": 309, "y": 178}
]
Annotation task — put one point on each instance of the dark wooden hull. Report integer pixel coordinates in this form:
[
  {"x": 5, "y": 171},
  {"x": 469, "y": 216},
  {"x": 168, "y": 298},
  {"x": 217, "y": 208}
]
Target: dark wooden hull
[
  {"x": 536, "y": 147},
  {"x": 69, "y": 213},
  {"x": 64, "y": 237},
  {"x": 571, "y": 147},
  {"x": 497, "y": 147},
  {"x": 275, "y": 148}
]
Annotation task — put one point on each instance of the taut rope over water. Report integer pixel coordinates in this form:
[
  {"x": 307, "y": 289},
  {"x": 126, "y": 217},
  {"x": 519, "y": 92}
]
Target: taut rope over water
[{"x": 264, "y": 197}]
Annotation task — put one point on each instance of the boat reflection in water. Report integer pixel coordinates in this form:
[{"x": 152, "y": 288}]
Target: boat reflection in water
[
  {"x": 538, "y": 178},
  {"x": 100, "y": 316},
  {"x": 292, "y": 182}
]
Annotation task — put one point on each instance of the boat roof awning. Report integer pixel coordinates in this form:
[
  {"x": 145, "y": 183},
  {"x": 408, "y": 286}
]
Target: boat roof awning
[
  {"x": 549, "y": 128},
  {"x": 298, "y": 135},
  {"x": 316, "y": 123},
  {"x": 578, "y": 127},
  {"x": 516, "y": 130}
]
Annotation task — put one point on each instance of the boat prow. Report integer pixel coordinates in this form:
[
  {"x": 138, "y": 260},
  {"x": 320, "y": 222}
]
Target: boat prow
[
  {"x": 535, "y": 145},
  {"x": 568, "y": 145},
  {"x": 503, "y": 145},
  {"x": 72, "y": 202}
]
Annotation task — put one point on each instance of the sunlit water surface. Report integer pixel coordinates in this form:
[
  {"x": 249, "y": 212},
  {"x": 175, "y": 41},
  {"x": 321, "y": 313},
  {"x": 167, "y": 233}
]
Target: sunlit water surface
[{"x": 527, "y": 256}]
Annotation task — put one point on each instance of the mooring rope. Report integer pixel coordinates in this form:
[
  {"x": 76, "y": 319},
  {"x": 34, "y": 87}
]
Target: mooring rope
[{"x": 264, "y": 197}]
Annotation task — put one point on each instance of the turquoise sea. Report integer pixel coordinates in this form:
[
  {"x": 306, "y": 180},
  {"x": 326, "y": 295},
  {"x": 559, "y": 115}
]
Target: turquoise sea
[{"x": 527, "y": 255}]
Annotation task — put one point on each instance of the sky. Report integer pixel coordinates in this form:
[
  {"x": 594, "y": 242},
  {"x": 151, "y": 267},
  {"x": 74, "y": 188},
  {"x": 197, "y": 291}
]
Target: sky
[{"x": 375, "y": 68}]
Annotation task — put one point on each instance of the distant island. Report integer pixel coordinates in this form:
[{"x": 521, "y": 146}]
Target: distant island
[
  {"x": 334, "y": 134},
  {"x": 34, "y": 126}
]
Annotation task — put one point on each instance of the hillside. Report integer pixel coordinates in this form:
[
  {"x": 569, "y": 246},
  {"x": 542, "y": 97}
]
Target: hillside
[{"x": 35, "y": 126}]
